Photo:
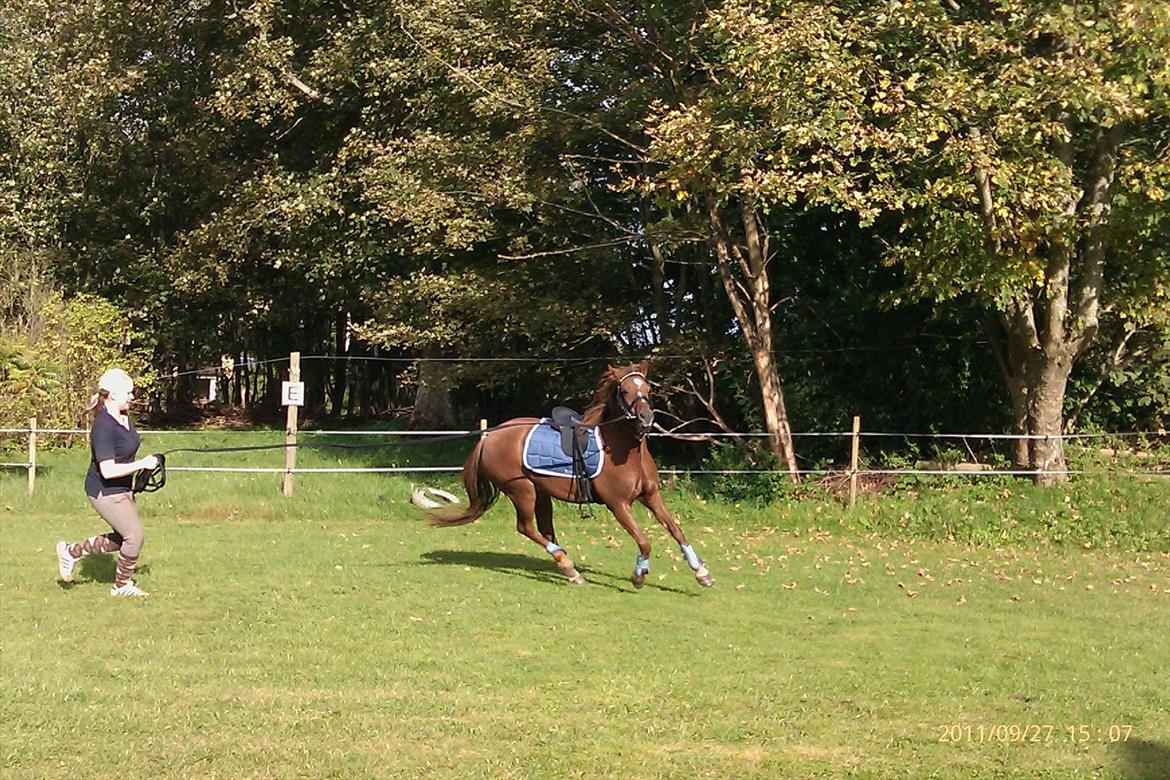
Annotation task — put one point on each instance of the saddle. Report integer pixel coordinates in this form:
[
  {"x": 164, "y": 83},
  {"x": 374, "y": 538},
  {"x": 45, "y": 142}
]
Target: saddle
[{"x": 574, "y": 441}]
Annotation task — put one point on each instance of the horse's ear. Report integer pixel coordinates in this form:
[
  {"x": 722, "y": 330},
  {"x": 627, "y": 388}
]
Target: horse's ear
[{"x": 643, "y": 367}]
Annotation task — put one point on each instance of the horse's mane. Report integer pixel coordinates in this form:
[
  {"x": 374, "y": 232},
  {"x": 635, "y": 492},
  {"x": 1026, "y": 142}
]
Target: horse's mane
[{"x": 603, "y": 395}]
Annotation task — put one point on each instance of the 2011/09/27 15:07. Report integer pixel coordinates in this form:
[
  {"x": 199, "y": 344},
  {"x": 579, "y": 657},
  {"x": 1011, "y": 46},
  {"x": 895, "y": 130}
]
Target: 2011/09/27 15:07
[{"x": 1039, "y": 733}]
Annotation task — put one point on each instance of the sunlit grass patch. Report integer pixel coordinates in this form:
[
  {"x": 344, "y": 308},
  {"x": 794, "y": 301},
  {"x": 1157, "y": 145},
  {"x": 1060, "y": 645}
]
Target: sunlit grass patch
[{"x": 336, "y": 634}]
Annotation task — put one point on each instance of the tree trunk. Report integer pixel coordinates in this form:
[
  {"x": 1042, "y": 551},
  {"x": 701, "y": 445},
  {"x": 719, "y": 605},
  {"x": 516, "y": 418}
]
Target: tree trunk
[
  {"x": 775, "y": 410},
  {"x": 358, "y": 378},
  {"x": 658, "y": 283},
  {"x": 340, "y": 364},
  {"x": 432, "y": 400},
  {"x": 744, "y": 274},
  {"x": 1048, "y": 379},
  {"x": 242, "y": 374},
  {"x": 1046, "y": 330},
  {"x": 1010, "y": 351},
  {"x": 1036, "y": 376}
]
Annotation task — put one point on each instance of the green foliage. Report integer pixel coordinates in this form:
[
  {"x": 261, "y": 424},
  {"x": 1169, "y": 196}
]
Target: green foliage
[
  {"x": 1126, "y": 392},
  {"x": 28, "y": 385},
  {"x": 454, "y": 177},
  {"x": 1015, "y": 146},
  {"x": 754, "y": 489},
  {"x": 51, "y": 375},
  {"x": 88, "y": 335}
]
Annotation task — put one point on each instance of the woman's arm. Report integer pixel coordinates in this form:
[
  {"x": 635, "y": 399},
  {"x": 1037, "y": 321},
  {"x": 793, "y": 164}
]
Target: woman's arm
[{"x": 112, "y": 470}]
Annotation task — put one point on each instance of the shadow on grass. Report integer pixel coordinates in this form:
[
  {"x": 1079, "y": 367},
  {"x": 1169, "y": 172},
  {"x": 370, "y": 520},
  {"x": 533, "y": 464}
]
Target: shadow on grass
[
  {"x": 537, "y": 569},
  {"x": 1144, "y": 760},
  {"x": 101, "y": 568}
]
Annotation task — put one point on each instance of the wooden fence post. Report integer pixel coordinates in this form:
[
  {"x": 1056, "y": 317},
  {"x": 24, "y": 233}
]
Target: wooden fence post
[
  {"x": 290, "y": 432},
  {"x": 32, "y": 455},
  {"x": 853, "y": 461},
  {"x": 482, "y": 427}
]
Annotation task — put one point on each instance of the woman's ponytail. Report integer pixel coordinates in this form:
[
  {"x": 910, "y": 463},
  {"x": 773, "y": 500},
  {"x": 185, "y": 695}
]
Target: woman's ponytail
[{"x": 95, "y": 401}]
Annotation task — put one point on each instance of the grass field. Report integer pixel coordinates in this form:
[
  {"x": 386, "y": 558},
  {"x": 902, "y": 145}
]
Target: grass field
[{"x": 956, "y": 632}]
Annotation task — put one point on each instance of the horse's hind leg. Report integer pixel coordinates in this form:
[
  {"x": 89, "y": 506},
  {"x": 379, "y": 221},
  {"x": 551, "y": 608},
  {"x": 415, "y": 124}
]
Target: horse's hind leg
[
  {"x": 544, "y": 516},
  {"x": 527, "y": 501}
]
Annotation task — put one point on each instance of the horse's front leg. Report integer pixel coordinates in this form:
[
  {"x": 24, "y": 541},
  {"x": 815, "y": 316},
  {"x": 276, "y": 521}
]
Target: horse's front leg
[
  {"x": 625, "y": 516},
  {"x": 653, "y": 501}
]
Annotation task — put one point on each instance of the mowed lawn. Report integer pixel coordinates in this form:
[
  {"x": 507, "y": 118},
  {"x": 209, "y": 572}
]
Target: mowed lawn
[{"x": 335, "y": 634}]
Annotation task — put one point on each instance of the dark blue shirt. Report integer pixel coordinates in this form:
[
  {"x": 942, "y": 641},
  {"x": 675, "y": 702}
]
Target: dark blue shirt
[{"x": 108, "y": 440}]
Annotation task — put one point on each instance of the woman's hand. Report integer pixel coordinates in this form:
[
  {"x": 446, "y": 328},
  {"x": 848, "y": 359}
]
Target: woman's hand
[{"x": 111, "y": 470}]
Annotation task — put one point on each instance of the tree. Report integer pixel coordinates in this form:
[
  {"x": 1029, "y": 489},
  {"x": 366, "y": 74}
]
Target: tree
[
  {"x": 453, "y": 177},
  {"x": 639, "y": 72},
  {"x": 1018, "y": 142}
]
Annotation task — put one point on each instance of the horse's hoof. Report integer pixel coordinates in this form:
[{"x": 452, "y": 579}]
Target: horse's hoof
[
  {"x": 638, "y": 580},
  {"x": 570, "y": 571},
  {"x": 704, "y": 578}
]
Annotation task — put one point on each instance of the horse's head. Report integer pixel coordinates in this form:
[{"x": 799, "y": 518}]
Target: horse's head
[{"x": 633, "y": 395}]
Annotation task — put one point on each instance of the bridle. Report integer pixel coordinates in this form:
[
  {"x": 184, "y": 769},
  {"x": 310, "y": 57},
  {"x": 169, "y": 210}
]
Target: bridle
[
  {"x": 627, "y": 409},
  {"x": 145, "y": 481}
]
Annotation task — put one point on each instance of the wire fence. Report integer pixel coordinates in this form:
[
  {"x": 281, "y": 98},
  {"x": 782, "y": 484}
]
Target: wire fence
[{"x": 853, "y": 470}]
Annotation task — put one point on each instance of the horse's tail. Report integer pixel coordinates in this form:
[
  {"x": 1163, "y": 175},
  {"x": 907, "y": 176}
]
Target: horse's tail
[{"x": 481, "y": 493}]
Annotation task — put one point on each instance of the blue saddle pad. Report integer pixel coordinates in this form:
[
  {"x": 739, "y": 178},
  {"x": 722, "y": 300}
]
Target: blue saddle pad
[{"x": 543, "y": 453}]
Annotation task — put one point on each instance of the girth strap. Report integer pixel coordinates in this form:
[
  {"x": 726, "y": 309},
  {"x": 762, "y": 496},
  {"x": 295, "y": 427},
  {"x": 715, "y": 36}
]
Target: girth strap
[{"x": 574, "y": 442}]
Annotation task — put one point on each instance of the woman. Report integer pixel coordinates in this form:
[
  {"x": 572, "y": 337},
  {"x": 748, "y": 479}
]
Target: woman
[{"x": 113, "y": 444}]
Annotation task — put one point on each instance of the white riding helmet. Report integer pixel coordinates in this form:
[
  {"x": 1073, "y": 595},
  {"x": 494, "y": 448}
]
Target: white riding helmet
[{"x": 116, "y": 381}]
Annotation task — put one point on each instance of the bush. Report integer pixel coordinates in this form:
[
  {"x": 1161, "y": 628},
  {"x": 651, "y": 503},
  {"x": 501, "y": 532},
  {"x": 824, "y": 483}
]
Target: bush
[
  {"x": 51, "y": 372},
  {"x": 759, "y": 489},
  {"x": 27, "y": 382}
]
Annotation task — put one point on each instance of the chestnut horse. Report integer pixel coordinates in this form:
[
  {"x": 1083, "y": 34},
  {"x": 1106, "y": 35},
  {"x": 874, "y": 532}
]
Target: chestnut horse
[{"x": 621, "y": 410}]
